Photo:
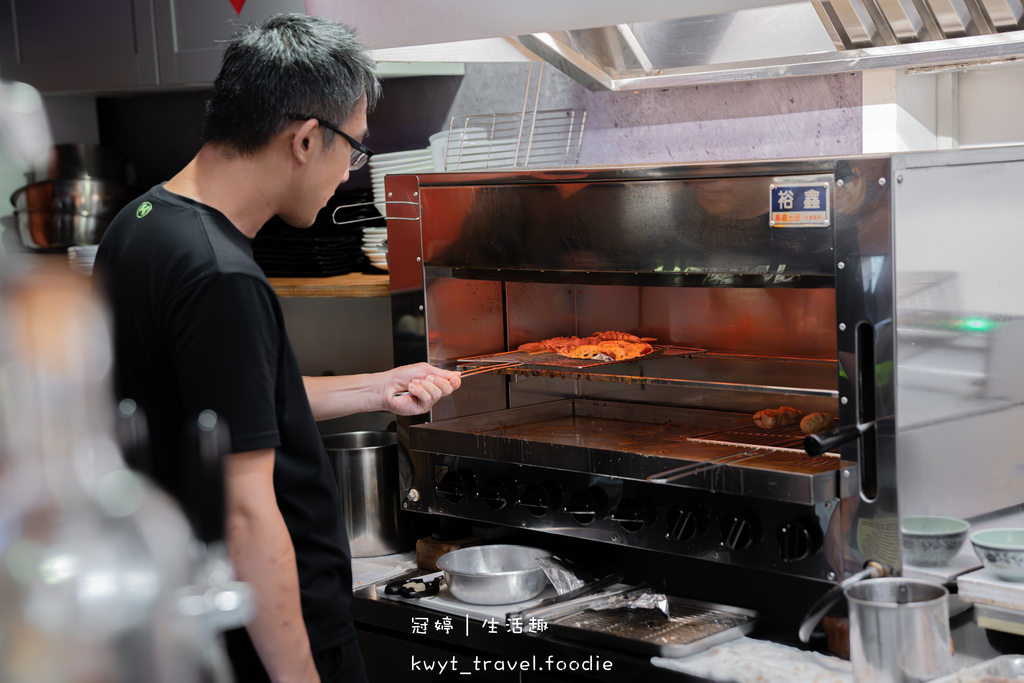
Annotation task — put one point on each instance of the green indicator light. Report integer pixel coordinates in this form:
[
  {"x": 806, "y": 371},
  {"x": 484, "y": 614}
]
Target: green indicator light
[{"x": 976, "y": 325}]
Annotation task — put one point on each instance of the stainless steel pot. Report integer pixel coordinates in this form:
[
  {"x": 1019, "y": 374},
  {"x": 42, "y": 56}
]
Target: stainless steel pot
[
  {"x": 366, "y": 469},
  {"x": 78, "y": 160},
  {"x": 494, "y": 574},
  {"x": 55, "y": 214}
]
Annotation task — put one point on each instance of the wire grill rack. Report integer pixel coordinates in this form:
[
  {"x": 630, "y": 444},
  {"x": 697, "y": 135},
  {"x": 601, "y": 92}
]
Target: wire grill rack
[
  {"x": 786, "y": 438},
  {"x": 526, "y": 139},
  {"x": 686, "y": 624},
  {"x": 692, "y": 626}
]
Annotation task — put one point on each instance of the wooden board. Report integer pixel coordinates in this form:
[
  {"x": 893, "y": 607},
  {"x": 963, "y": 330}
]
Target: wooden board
[{"x": 348, "y": 285}]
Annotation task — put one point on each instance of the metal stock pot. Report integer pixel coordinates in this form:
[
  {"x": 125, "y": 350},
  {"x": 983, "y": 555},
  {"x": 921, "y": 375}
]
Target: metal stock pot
[
  {"x": 56, "y": 214},
  {"x": 366, "y": 470}
]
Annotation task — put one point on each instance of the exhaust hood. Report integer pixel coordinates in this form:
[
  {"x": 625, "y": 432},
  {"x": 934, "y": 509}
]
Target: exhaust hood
[
  {"x": 795, "y": 39},
  {"x": 709, "y": 41}
]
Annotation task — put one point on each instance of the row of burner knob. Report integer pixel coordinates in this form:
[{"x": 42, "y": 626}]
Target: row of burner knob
[{"x": 797, "y": 539}]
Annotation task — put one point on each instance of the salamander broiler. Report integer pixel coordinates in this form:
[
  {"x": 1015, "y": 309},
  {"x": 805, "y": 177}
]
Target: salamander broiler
[{"x": 878, "y": 289}]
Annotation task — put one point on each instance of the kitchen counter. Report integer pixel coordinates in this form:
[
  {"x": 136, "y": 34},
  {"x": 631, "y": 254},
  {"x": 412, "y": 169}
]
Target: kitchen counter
[
  {"x": 472, "y": 650},
  {"x": 400, "y": 636}
]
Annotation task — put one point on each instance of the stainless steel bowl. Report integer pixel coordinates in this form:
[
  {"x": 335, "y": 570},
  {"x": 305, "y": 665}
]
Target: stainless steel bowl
[
  {"x": 494, "y": 574},
  {"x": 56, "y": 214}
]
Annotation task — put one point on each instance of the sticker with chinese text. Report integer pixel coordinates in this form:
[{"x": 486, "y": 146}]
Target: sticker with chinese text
[{"x": 803, "y": 205}]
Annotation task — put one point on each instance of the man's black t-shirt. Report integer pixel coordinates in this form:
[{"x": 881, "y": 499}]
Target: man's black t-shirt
[{"x": 197, "y": 326}]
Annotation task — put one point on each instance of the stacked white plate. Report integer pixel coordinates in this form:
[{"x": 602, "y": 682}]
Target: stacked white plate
[
  {"x": 409, "y": 161},
  {"x": 374, "y": 240},
  {"x": 81, "y": 259}
]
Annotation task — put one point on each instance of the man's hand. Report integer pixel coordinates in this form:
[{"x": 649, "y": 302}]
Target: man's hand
[{"x": 425, "y": 384}]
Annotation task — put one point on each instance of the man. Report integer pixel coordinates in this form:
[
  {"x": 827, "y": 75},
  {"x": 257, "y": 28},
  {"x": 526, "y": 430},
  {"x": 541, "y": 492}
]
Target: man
[{"x": 197, "y": 326}]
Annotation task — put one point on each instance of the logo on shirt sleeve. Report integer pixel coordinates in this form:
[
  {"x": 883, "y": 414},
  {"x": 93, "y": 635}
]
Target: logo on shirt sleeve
[{"x": 144, "y": 208}]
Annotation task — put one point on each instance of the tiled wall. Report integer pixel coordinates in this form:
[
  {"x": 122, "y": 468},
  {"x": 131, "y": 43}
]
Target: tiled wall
[{"x": 769, "y": 119}]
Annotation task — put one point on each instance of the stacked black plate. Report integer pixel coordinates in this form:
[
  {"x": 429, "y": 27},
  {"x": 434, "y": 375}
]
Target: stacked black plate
[{"x": 322, "y": 250}]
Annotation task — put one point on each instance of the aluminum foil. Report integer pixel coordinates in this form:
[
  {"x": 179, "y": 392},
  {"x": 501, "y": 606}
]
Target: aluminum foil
[
  {"x": 563, "y": 574},
  {"x": 652, "y": 602}
]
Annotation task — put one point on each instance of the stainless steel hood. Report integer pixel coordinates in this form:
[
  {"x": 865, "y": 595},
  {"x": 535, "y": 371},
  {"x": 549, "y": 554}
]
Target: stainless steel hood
[{"x": 794, "y": 39}]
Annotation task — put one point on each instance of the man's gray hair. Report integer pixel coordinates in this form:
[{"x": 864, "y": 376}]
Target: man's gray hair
[{"x": 291, "y": 64}]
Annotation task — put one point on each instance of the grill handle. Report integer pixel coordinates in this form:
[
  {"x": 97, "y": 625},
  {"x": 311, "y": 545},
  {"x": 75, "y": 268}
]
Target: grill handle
[{"x": 823, "y": 442}]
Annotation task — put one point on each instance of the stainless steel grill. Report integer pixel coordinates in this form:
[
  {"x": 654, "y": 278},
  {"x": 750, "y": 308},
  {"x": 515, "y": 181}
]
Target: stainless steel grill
[{"x": 661, "y": 453}]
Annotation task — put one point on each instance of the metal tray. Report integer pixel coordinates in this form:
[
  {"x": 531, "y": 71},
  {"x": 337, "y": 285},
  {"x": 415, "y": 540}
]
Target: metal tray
[
  {"x": 1007, "y": 667},
  {"x": 692, "y": 627}
]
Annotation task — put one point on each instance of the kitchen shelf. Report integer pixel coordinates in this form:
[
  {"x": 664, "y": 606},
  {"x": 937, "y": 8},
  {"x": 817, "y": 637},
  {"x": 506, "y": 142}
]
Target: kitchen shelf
[{"x": 355, "y": 285}]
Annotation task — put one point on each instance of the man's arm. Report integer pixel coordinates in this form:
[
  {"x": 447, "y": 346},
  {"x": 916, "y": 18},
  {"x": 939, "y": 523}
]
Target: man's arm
[
  {"x": 261, "y": 549},
  {"x": 337, "y": 396}
]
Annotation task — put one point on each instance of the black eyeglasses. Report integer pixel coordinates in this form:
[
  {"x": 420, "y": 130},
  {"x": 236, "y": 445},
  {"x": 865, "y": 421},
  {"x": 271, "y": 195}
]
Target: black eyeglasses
[{"x": 360, "y": 152}]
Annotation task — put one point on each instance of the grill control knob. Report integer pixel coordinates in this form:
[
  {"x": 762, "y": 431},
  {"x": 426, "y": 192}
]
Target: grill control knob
[
  {"x": 740, "y": 531},
  {"x": 540, "y": 497},
  {"x": 454, "y": 486},
  {"x": 798, "y": 540},
  {"x": 587, "y": 505},
  {"x": 685, "y": 523},
  {"x": 497, "y": 492},
  {"x": 632, "y": 514}
]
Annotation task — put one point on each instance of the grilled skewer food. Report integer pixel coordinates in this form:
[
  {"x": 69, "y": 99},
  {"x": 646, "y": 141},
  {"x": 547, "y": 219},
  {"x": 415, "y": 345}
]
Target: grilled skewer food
[
  {"x": 615, "y": 345},
  {"x": 777, "y": 417},
  {"x": 617, "y": 350},
  {"x": 816, "y": 422}
]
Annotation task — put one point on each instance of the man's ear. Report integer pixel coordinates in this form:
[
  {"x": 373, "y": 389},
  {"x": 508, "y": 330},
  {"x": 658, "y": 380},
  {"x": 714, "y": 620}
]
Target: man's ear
[{"x": 302, "y": 140}]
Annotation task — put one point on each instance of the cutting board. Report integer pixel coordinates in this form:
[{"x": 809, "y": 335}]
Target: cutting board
[{"x": 428, "y": 550}]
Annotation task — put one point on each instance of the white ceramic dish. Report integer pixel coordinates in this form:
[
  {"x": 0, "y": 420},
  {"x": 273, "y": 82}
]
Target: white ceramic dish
[
  {"x": 404, "y": 154},
  {"x": 400, "y": 164},
  {"x": 932, "y": 541},
  {"x": 378, "y": 175},
  {"x": 1001, "y": 551}
]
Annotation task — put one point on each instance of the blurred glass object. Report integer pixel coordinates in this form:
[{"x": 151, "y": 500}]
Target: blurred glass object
[
  {"x": 101, "y": 579},
  {"x": 24, "y": 130},
  {"x": 24, "y": 137}
]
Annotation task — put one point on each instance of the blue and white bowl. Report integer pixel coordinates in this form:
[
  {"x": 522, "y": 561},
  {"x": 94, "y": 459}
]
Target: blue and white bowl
[
  {"x": 932, "y": 541},
  {"x": 1001, "y": 551}
]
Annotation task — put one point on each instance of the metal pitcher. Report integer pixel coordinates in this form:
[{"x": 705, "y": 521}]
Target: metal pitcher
[{"x": 899, "y": 630}]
